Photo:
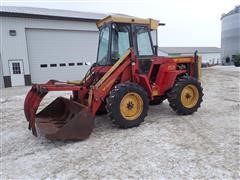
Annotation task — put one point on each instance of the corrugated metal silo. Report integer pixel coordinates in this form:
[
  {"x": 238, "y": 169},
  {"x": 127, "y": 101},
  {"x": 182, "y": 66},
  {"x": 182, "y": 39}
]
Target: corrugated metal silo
[{"x": 230, "y": 35}]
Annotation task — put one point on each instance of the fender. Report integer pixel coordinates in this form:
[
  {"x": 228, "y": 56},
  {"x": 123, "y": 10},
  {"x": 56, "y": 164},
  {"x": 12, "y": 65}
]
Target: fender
[{"x": 166, "y": 77}]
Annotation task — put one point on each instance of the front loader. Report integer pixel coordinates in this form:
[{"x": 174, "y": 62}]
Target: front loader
[{"x": 127, "y": 77}]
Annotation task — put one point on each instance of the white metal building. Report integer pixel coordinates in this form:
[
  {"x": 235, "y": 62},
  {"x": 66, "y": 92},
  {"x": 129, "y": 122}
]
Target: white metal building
[
  {"x": 39, "y": 44},
  {"x": 210, "y": 55}
]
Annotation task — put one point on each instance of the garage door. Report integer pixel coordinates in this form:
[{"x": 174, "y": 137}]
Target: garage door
[{"x": 60, "y": 54}]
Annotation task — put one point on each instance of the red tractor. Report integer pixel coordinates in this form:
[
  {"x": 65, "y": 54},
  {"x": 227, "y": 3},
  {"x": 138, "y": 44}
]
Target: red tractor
[{"x": 127, "y": 77}]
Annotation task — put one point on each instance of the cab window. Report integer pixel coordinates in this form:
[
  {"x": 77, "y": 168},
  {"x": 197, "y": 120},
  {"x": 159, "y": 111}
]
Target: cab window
[
  {"x": 103, "y": 46},
  {"x": 144, "y": 45}
]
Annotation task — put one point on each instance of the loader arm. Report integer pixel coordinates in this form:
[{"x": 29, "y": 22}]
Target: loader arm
[{"x": 102, "y": 88}]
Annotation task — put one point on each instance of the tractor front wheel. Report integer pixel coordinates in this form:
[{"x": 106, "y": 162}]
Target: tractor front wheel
[
  {"x": 127, "y": 105},
  {"x": 186, "y": 95}
]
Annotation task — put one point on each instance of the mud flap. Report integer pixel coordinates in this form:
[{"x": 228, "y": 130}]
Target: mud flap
[{"x": 65, "y": 119}]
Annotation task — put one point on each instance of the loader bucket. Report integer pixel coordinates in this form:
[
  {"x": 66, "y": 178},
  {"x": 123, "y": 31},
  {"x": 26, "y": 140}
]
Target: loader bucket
[{"x": 65, "y": 119}]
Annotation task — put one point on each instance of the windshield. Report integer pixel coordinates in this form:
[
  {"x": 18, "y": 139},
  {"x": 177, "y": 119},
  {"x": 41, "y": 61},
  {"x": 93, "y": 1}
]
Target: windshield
[{"x": 103, "y": 46}]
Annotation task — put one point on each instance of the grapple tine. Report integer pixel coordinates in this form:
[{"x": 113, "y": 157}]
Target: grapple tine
[
  {"x": 26, "y": 103},
  {"x": 31, "y": 104}
]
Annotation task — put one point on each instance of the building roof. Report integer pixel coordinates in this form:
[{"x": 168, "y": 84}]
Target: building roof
[
  {"x": 44, "y": 13},
  {"x": 153, "y": 24},
  {"x": 189, "y": 50},
  {"x": 233, "y": 11}
]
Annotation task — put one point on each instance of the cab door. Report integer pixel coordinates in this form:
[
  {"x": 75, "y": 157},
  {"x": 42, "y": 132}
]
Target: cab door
[{"x": 143, "y": 47}]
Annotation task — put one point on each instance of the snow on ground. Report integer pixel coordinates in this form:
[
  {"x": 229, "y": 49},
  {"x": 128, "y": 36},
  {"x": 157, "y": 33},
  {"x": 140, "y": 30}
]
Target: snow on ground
[
  {"x": 226, "y": 68},
  {"x": 204, "y": 145}
]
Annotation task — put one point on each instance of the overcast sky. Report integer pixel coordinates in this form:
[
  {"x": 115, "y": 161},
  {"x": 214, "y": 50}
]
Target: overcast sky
[{"x": 188, "y": 22}]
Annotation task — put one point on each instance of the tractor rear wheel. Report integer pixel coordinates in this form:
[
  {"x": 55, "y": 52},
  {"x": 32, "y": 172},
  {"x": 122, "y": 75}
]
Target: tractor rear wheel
[
  {"x": 186, "y": 95},
  {"x": 127, "y": 105}
]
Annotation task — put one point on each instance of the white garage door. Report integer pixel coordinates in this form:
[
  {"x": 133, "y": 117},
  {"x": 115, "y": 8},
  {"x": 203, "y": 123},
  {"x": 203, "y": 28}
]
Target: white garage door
[{"x": 60, "y": 54}]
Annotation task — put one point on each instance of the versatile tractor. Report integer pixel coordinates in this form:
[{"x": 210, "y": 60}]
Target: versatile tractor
[{"x": 127, "y": 77}]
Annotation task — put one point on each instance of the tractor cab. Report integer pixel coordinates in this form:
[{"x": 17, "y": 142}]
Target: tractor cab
[{"x": 118, "y": 34}]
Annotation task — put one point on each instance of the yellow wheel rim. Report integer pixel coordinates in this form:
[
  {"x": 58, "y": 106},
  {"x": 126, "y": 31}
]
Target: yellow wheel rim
[
  {"x": 189, "y": 96},
  {"x": 131, "y": 106}
]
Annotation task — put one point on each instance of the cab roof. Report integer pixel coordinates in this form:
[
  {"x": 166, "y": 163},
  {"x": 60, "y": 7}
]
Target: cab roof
[{"x": 153, "y": 24}]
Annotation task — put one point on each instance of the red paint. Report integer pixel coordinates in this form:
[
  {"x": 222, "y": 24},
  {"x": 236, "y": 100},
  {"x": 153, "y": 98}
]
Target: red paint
[{"x": 162, "y": 81}]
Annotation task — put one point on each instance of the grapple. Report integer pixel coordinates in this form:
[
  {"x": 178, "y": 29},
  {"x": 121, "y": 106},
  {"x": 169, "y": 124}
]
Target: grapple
[{"x": 63, "y": 119}]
